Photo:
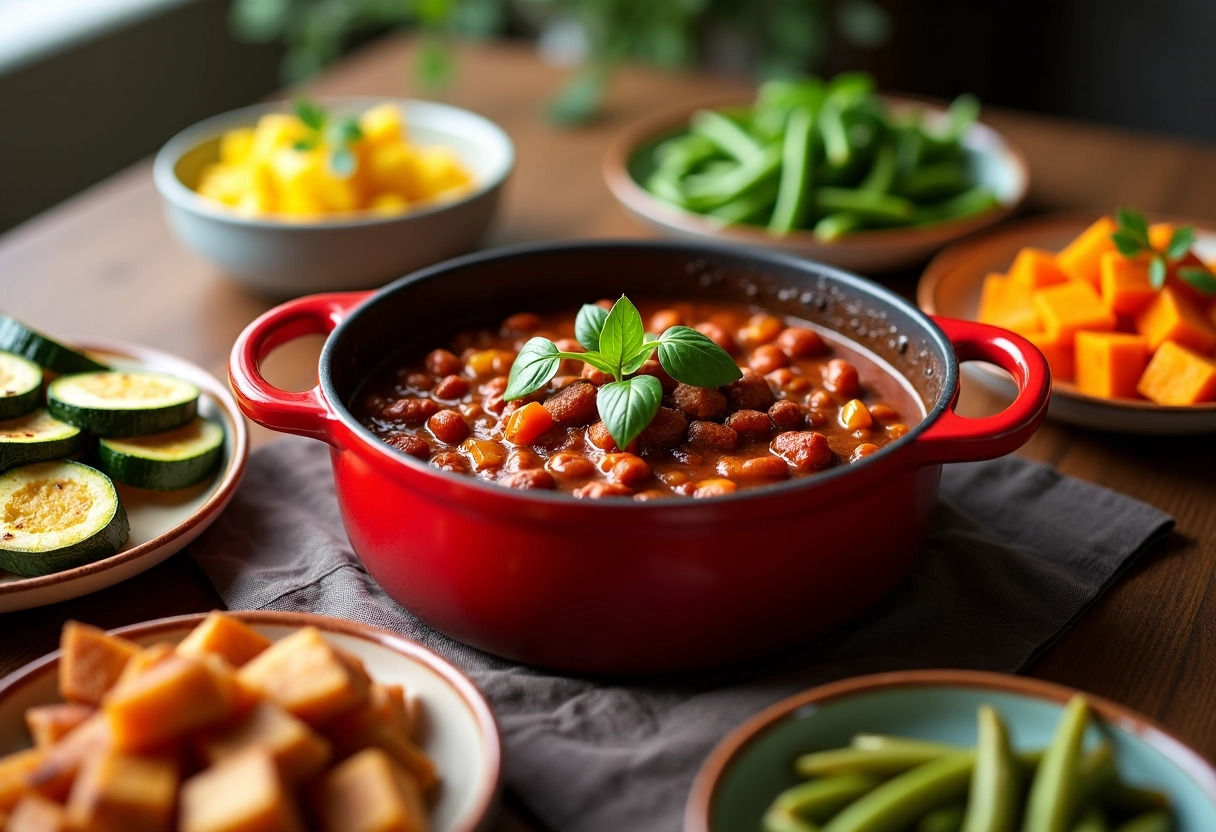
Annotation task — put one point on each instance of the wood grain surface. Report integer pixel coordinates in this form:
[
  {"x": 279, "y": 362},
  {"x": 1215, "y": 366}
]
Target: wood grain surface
[{"x": 104, "y": 264}]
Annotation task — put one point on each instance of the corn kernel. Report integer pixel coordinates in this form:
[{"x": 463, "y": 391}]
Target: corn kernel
[{"x": 855, "y": 416}]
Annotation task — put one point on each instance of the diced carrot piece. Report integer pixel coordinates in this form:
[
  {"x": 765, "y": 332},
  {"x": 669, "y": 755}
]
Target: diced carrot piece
[
  {"x": 37, "y": 814},
  {"x": 1109, "y": 364},
  {"x": 175, "y": 696},
  {"x": 118, "y": 792},
  {"x": 1178, "y": 376},
  {"x": 1058, "y": 352},
  {"x": 14, "y": 774},
  {"x": 1080, "y": 258},
  {"x": 1068, "y": 308},
  {"x": 370, "y": 793},
  {"x": 1125, "y": 285},
  {"x": 526, "y": 425},
  {"x": 243, "y": 793},
  {"x": 91, "y": 661},
  {"x": 1171, "y": 317},
  {"x": 48, "y": 724},
  {"x": 1005, "y": 305},
  {"x": 227, "y": 637},
  {"x": 484, "y": 453},
  {"x": 1034, "y": 268},
  {"x": 305, "y": 675}
]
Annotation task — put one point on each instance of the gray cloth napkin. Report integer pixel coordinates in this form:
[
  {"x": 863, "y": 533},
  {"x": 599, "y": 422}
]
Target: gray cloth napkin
[{"x": 1016, "y": 554}]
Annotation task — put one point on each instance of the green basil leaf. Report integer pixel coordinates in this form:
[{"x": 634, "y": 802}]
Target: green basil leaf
[
  {"x": 1199, "y": 277},
  {"x": 309, "y": 112},
  {"x": 622, "y": 335},
  {"x": 342, "y": 162},
  {"x": 1157, "y": 271},
  {"x": 628, "y": 406},
  {"x": 346, "y": 131},
  {"x": 1180, "y": 242},
  {"x": 634, "y": 362},
  {"x": 1133, "y": 222},
  {"x": 595, "y": 360},
  {"x": 1127, "y": 244},
  {"x": 536, "y": 363},
  {"x": 694, "y": 359},
  {"x": 588, "y": 325}
]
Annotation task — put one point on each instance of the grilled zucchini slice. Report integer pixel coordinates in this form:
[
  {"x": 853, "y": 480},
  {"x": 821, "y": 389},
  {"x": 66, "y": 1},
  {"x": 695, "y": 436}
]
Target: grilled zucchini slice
[
  {"x": 56, "y": 516},
  {"x": 19, "y": 339},
  {"x": 37, "y": 437},
  {"x": 122, "y": 403},
  {"x": 20, "y": 385},
  {"x": 177, "y": 458}
]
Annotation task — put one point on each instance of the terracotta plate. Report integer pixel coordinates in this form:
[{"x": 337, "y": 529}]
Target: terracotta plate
[
  {"x": 458, "y": 728},
  {"x": 162, "y": 522},
  {"x": 995, "y": 161},
  {"x": 951, "y": 286}
]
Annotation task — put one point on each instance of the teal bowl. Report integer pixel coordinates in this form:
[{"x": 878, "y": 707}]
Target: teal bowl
[{"x": 752, "y": 765}]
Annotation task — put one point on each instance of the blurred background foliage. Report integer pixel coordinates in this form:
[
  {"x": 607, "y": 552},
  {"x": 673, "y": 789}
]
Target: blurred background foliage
[{"x": 765, "y": 38}]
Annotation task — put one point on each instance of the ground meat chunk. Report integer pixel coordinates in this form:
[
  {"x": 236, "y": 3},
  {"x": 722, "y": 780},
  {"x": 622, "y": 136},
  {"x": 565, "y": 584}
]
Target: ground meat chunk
[
  {"x": 803, "y": 449},
  {"x": 410, "y": 444},
  {"x": 786, "y": 415},
  {"x": 450, "y": 461},
  {"x": 573, "y": 404},
  {"x": 700, "y": 402},
  {"x": 410, "y": 411},
  {"x": 666, "y": 429},
  {"x": 448, "y": 426},
  {"x": 753, "y": 422},
  {"x": 712, "y": 435},
  {"x": 596, "y": 490},
  {"x": 750, "y": 392},
  {"x": 528, "y": 478}
]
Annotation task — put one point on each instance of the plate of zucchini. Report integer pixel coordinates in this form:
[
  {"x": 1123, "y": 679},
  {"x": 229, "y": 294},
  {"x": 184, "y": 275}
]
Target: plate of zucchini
[{"x": 112, "y": 458}]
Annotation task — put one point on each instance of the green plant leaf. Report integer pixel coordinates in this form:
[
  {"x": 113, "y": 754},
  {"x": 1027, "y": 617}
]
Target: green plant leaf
[
  {"x": 579, "y": 100},
  {"x": 1133, "y": 222},
  {"x": 693, "y": 358},
  {"x": 1199, "y": 277},
  {"x": 1181, "y": 242},
  {"x": 622, "y": 335},
  {"x": 628, "y": 406},
  {"x": 1126, "y": 243},
  {"x": 342, "y": 161},
  {"x": 346, "y": 131},
  {"x": 434, "y": 64},
  {"x": 593, "y": 358},
  {"x": 304, "y": 145},
  {"x": 634, "y": 362},
  {"x": 536, "y": 363},
  {"x": 588, "y": 324},
  {"x": 309, "y": 112},
  {"x": 1157, "y": 271}
]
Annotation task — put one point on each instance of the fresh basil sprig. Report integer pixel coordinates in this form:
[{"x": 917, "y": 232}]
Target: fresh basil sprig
[
  {"x": 1132, "y": 240},
  {"x": 340, "y": 135},
  {"x": 617, "y": 344}
]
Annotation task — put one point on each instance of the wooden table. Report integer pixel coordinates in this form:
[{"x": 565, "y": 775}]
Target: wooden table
[{"x": 104, "y": 264}]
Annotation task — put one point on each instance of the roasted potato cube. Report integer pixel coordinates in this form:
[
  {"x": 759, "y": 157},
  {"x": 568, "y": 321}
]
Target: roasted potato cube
[
  {"x": 177, "y": 695},
  {"x": 90, "y": 662},
  {"x": 363, "y": 727},
  {"x": 48, "y": 724},
  {"x": 37, "y": 814},
  {"x": 298, "y": 751},
  {"x": 371, "y": 793},
  {"x": 305, "y": 675},
  {"x": 57, "y": 770},
  {"x": 242, "y": 793},
  {"x": 15, "y": 770},
  {"x": 393, "y": 707},
  {"x": 117, "y": 792},
  {"x": 230, "y": 639},
  {"x": 143, "y": 660}
]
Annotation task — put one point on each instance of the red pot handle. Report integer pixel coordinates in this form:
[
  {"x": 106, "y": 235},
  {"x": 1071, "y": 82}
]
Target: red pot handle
[
  {"x": 305, "y": 413},
  {"x": 954, "y": 438}
]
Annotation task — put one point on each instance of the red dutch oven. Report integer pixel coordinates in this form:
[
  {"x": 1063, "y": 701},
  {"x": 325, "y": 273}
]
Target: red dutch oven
[{"x": 616, "y": 586}]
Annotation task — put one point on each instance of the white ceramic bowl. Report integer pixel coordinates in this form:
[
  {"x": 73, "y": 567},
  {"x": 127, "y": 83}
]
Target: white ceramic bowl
[
  {"x": 458, "y": 728},
  {"x": 283, "y": 258}
]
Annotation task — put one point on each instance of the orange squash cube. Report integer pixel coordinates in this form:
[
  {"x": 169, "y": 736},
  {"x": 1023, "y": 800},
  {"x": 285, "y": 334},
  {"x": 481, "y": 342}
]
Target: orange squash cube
[
  {"x": 1059, "y": 353},
  {"x": 526, "y": 424},
  {"x": 143, "y": 660},
  {"x": 362, "y": 727},
  {"x": 90, "y": 662},
  {"x": 1178, "y": 376},
  {"x": 1124, "y": 283},
  {"x": 306, "y": 676},
  {"x": 15, "y": 770},
  {"x": 117, "y": 792},
  {"x": 173, "y": 697},
  {"x": 1007, "y": 305},
  {"x": 1081, "y": 258},
  {"x": 224, "y": 636},
  {"x": 1068, "y": 308},
  {"x": 1034, "y": 268},
  {"x": 483, "y": 453},
  {"x": 392, "y": 707},
  {"x": 55, "y": 773},
  {"x": 370, "y": 793},
  {"x": 298, "y": 751},
  {"x": 1109, "y": 364},
  {"x": 47, "y": 724},
  {"x": 243, "y": 793},
  {"x": 1171, "y": 317},
  {"x": 37, "y": 814}
]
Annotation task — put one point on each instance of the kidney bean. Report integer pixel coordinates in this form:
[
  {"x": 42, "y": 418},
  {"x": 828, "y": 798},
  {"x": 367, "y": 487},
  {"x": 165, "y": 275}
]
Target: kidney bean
[
  {"x": 410, "y": 410},
  {"x": 714, "y": 488},
  {"x": 674, "y": 478},
  {"x": 862, "y": 451},
  {"x": 786, "y": 415},
  {"x": 797, "y": 385},
  {"x": 884, "y": 413},
  {"x": 688, "y": 456},
  {"x": 599, "y": 490},
  {"x": 575, "y": 466},
  {"x": 780, "y": 376},
  {"x": 523, "y": 459},
  {"x": 664, "y": 320},
  {"x": 595, "y": 375},
  {"x": 598, "y": 436},
  {"x": 408, "y": 443},
  {"x": 443, "y": 363},
  {"x": 650, "y": 367},
  {"x": 451, "y": 387},
  {"x": 652, "y": 494},
  {"x": 494, "y": 387},
  {"x": 751, "y": 392},
  {"x": 718, "y": 335},
  {"x": 803, "y": 449},
  {"x": 800, "y": 342},
  {"x": 666, "y": 429},
  {"x": 573, "y": 404},
  {"x": 448, "y": 426},
  {"x": 751, "y": 422},
  {"x": 528, "y": 479},
  {"x": 760, "y": 329},
  {"x": 765, "y": 467},
  {"x": 605, "y": 303},
  {"x": 766, "y": 358},
  {"x": 840, "y": 376},
  {"x": 821, "y": 400},
  {"x": 419, "y": 382},
  {"x": 712, "y": 435},
  {"x": 896, "y": 430},
  {"x": 450, "y": 461},
  {"x": 522, "y": 322},
  {"x": 698, "y": 402},
  {"x": 817, "y": 418},
  {"x": 625, "y": 468},
  {"x": 372, "y": 403}
]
